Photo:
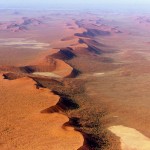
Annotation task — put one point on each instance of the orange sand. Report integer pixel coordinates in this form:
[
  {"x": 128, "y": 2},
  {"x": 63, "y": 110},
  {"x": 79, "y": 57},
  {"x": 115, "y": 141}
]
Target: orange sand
[{"x": 24, "y": 127}]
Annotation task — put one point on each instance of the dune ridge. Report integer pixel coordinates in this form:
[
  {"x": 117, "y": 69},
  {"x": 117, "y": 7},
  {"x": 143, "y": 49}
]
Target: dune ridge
[
  {"x": 23, "y": 122},
  {"x": 29, "y": 116},
  {"x": 21, "y": 25},
  {"x": 57, "y": 62}
]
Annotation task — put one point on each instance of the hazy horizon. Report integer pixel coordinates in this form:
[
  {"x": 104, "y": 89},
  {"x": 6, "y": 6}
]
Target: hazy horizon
[{"x": 138, "y": 5}]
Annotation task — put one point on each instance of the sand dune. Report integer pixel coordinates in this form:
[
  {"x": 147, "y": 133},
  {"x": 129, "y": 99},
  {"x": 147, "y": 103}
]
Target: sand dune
[
  {"x": 43, "y": 65},
  {"x": 64, "y": 54},
  {"x": 24, "y": 127},
  {"x": 20, "y": 25},
  {"x": 50, "y": 64},
  {"x": 24, "y": 104},
  {"x": 90, "y": 42},
  {"x": 93, "y": 33},
  {"x": 83, "y": 46}
]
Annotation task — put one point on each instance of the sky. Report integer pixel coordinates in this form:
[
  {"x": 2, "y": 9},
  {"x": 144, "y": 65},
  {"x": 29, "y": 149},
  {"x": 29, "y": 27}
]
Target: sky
[{"x": 76, "y": 3}]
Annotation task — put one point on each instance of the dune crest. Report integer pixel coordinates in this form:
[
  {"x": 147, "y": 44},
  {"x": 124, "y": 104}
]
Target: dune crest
[{"x": 24, "y": 127}]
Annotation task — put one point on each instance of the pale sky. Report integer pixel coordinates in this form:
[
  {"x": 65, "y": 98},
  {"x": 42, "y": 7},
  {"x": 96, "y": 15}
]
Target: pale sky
[
  {"x": 78, "y": 1},
  {"x": 75, "y": 3}
]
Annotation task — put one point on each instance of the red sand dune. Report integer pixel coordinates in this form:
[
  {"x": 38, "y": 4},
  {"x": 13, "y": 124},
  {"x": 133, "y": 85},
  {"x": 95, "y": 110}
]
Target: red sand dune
[
  {"x": 20, "y": 25},
  {"x": 24, "y": 127}
]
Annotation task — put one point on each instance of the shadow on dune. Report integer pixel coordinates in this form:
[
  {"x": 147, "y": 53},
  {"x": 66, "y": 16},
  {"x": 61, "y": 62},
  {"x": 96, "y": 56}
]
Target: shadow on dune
[
  {"x": 64, "y": 104},
  {"x": 64, "y": 54},
  {"x": 91, "y": 42},
  {"x": 93, "y": 33}
]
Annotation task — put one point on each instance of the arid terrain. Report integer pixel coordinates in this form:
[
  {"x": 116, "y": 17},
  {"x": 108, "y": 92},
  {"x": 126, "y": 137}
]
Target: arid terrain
[{"x": 74, "y": 80}]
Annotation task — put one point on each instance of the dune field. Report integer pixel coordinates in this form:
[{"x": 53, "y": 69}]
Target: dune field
[{"x": 74, "y": 81}]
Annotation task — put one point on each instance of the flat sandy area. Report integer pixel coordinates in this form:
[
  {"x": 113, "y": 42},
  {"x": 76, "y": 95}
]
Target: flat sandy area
[{"x": 130, "y": 138}]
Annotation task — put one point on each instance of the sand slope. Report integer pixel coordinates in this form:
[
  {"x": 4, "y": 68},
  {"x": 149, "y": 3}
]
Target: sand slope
[{"x": 24, "y": 127}]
